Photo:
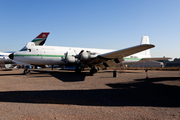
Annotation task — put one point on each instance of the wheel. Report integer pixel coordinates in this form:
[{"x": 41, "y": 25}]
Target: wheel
[
  {"x": 78, "y": 70},
  {"x": 92, "y": 71},
  {"x": 26, "y": 71}
]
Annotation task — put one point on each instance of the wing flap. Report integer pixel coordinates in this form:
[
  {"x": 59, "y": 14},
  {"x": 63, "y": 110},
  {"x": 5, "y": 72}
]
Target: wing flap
[
  {"x": 111, "y": 63},
  {"x": 101, "y": 65}
]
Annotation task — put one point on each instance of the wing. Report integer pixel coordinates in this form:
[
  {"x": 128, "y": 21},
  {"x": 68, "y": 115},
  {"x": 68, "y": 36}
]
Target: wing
[
  {"x": 128, "y": 51},
  {"x": 108, "y": 59}
]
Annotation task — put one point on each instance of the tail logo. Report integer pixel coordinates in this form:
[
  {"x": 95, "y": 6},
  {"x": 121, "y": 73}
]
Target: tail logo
[{"x": 44, "y": 35}]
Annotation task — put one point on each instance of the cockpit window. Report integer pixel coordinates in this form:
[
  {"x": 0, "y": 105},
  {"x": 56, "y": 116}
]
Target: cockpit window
[{"x": 24, "y": 49}]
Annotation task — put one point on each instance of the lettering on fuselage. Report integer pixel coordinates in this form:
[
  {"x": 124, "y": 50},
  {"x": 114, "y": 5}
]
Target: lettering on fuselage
[{"x": 133, "y": 56}]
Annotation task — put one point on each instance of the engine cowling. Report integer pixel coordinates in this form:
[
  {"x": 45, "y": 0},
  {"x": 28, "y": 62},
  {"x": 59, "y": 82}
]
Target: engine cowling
[
  {"x": 85, "y": 56},
  {"x": 70, "y": 60}
]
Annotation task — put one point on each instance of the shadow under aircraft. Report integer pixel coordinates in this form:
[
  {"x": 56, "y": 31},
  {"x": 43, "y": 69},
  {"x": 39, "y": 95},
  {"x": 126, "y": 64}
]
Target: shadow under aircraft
[
  {"x": 66, "y": 76},
  {"x": 137, "y": 93}
]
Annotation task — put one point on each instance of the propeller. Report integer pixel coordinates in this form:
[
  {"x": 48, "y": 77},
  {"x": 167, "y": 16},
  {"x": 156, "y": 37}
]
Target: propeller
[
  {"x": 78, "y": 55},
  {"x": 69, "y": 59},
  {"x": 66, "y": 54},
  {"x": 64, "y": 60}
]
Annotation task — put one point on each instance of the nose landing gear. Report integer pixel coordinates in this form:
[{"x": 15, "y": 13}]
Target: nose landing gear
[{"x": 26, "y": 71}]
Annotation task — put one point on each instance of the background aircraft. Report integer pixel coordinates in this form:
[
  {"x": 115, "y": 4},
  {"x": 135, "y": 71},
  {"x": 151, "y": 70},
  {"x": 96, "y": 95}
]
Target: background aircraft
[
  {"x": 38, "y": 41},
  {"x": 4, "y": 58},
  {"x": 82, "y": 57}
]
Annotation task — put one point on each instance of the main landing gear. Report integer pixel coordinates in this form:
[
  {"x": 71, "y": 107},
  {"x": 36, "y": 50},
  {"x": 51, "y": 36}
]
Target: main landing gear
[
  {"x": 26, "y": 71},
  {"x": 78, "y": 69},
  {"x": 93, "y": 70}
]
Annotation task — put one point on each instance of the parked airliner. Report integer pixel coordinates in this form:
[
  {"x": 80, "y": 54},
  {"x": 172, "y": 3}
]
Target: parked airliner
[{"x": 83, "y": 57}]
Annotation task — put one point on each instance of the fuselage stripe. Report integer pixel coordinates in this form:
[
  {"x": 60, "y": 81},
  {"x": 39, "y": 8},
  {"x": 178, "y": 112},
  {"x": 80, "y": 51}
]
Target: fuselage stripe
[
  {"x": 41, "y": 55},
  {"x": 38, "y": 55}
]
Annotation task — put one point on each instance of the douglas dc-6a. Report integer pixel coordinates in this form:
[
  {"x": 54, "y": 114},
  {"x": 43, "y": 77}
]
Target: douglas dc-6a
[{"x": 83, "y": 57}]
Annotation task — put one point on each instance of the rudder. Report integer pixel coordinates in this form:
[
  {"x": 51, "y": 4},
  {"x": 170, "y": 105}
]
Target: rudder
[{"x": 145, "y": 40}]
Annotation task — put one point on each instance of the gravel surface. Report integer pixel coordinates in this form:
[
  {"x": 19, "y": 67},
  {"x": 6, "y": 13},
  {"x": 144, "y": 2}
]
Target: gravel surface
[{"x": 60, "y": 94}]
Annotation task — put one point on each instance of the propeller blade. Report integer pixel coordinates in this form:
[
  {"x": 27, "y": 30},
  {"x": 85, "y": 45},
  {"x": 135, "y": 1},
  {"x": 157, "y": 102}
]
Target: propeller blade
[{"x": 81, "y": 52}]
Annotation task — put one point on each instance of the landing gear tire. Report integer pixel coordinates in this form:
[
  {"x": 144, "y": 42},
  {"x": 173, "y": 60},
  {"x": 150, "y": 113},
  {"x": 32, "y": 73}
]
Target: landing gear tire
[
  {"x": 93, "y": 70},
  {"x": 78, "y": 70},
  {"x": 26, "y": 71}
]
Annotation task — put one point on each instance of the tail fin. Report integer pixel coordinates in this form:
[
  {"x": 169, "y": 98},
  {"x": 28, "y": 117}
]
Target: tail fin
[
  {"x": 145, "y": 40},
  {"x": 40, "y": 39}
]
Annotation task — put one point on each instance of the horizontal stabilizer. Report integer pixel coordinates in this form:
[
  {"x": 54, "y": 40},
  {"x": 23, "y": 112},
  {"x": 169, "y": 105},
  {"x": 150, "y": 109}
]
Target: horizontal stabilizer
[
  {"x": 163, "y": 58},
  {"x": 147, "y": 59}
]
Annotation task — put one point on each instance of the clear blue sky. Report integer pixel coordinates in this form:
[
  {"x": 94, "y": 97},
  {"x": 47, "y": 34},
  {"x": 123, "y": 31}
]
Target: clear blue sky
[{"x": 109, "y": 24}]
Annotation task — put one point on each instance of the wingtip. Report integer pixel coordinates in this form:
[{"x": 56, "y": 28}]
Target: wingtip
[
  {"x": 152, "y": 45},
  {"x": 149, "y": 45}
]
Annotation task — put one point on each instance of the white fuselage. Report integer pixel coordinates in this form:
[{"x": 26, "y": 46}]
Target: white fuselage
[{"x": 52, "y": 55}]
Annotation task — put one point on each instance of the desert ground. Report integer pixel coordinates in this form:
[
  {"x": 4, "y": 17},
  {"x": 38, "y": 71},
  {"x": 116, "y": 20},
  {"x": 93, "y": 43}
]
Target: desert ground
[{"x": 47, "y": 94}]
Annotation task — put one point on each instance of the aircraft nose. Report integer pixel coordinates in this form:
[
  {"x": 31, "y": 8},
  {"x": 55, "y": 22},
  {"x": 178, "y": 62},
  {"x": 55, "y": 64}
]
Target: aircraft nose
[{"x": 11, "y": 56}]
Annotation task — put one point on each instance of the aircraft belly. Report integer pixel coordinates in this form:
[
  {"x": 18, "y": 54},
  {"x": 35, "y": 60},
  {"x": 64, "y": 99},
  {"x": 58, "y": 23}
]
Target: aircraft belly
[
  {"x": 41, "y": 60},
  {"x": 51, "y": 61},
  {"x": 21, "y": 59},
  {"x": 46, "y": 61}
]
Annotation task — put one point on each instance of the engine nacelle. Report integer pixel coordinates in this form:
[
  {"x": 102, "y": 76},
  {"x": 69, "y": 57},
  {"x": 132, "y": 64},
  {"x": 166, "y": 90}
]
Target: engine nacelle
[
  {"x": 85, "y": 56},
  {"x": 70, "y": 59}
]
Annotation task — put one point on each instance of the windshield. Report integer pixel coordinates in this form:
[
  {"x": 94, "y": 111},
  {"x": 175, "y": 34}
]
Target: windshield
[{"x": 24, "y": 49}]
